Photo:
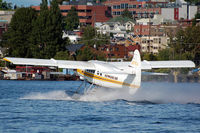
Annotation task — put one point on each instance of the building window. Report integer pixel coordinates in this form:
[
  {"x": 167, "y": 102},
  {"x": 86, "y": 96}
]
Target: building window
[
  {"x": 159, "y": 40},
  {"x": 88, "y": 10},
  {"x": 133, "y": 12},
  {"x": 126, "y": 5},
  {"x": 122, "y": 6},
  {"x": 114, "y": 6},
  {"x": 114, "y": 13},
  {"x": 64, "y": 10},
  {"x": 144, "y": 40},
  {"x": 118, "y": 6},
  {"x": 156, "y": 12},
  {"x": 134, "y": 6}
]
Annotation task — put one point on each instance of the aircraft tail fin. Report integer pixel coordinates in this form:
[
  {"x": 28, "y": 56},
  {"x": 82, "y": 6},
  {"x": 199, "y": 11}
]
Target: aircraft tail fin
[
  {"x": 136, "y": 68},
  {"x": 136, "y": 61}
]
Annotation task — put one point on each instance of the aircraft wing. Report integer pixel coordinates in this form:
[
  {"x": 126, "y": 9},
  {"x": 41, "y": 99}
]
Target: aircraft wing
[
  {"x": 145, "y": 65},
  {"x": 148, "y": 65},
  {"x": 51, "y": 62}
]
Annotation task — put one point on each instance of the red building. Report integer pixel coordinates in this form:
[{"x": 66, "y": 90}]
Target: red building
[
  {"x": 142, "y": 30},
  {"x": 138, "y": 8},
  {"x": 32, "y": 69},
  {"x": 160, "y": 30},
  {"x": 88, "y": 12},
  {"x": 114, "y": 51}
]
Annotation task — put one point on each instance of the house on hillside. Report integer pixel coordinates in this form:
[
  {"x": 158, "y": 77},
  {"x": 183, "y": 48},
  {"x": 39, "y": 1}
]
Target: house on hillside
[
  {"x": 118, "y": 26},
  {"x": 73, "y": 37},
  {"x": 129, "y": 25}
]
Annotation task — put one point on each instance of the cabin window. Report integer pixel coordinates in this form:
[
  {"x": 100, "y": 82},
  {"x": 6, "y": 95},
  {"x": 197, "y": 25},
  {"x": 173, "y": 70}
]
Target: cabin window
[{"x": 90, "y": 71}]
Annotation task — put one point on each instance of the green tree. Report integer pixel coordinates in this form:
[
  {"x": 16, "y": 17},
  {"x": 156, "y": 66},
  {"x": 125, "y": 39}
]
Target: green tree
[
  {"x": 40, "y": 34},
  {"x": 91, "y": 37},
  {"x": 165, "y": 54},
  {"x": 72, "y": 20},
  {"x": 59, "y": 1},
  {"x": 192, "y": 1},
  {"x": 126, "y": 14},
  {"x": 194, "y": 21},
  {"x": 88, "y": 37},
  {"x": 63, "y": 55},
  {"x": 187, "y": 44},
  {"x": 17, "y": 36},
  {"x": 56, "y": 22},
  {"x": 89, "y": 53},
  {"x": 5, "y": 6},
  {"x": 149, "y": 57},
  {"x": 47, "y": 34}
]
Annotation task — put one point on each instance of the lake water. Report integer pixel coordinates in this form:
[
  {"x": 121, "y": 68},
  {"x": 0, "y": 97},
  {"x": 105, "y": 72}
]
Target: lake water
[{"x": 45, "y": 107}]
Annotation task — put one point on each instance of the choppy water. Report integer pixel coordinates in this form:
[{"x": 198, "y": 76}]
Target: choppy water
[{"x": 44, "y": 106}]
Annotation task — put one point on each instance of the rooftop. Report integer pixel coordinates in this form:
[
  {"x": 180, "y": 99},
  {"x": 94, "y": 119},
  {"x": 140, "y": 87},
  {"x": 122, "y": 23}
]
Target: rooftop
[
  {"x": 121, "y": 19},
  {"x": 81, "y": 2},
  {"x": 74, "y": 47}
]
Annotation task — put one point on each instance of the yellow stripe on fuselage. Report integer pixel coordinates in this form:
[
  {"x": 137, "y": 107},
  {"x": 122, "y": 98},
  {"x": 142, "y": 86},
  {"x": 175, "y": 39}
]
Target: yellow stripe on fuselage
[
  {"x": 104, "y": 79},
  {"x": 7, "y": 60}
]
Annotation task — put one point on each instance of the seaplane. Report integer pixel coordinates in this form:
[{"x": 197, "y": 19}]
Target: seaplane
[{"x": 113, "y": 75}]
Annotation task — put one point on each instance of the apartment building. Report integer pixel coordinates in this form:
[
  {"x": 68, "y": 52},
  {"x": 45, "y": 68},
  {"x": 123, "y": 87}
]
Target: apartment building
[
  {"x": 138, "y": 8},
  {"x": 89, "y": 12},
  {"x": 153, "y": 44}
]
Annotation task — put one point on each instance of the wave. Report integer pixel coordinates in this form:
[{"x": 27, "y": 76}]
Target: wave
[
  {"x": 149, "y": 93},
  {"x": 52, "y": 95}
]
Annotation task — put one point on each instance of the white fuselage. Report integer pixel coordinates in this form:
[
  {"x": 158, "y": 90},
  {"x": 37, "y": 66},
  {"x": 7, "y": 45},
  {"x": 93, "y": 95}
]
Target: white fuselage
[{"x": 109, "y": 76}]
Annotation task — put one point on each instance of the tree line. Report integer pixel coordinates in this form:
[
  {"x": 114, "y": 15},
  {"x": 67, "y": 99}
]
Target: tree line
[
  {"x": 39, "y": 35},
  {"x": 5, "y": 6}
]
